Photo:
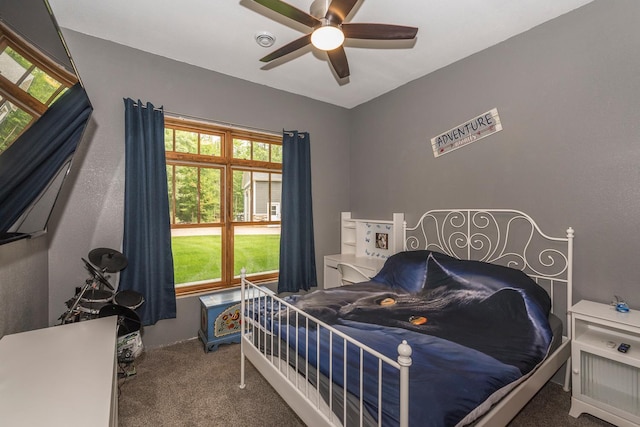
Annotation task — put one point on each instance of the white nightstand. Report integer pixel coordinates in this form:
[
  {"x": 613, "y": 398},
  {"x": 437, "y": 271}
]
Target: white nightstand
[{"x": 606, "y": 382}]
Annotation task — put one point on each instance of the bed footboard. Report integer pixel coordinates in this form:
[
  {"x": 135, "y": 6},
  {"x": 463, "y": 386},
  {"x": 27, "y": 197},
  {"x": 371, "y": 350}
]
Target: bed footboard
[{"x": 291, "y": 363}]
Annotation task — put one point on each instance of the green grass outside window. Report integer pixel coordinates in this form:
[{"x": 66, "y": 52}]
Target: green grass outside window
[{"x": 197, "y": 258}]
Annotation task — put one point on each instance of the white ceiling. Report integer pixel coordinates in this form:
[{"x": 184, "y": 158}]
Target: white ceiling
[{"x": 219, "y": 35}]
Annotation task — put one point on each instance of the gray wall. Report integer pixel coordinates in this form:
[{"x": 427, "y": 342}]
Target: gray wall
[
  {"x": 23, "y": 285},
  {"x": 569, "y": 153},
  {"x": 93, "y": 211}
]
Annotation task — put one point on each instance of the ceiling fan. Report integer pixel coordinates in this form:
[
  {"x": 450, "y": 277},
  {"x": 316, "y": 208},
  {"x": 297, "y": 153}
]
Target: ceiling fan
[{"x": 329, "y": 31}]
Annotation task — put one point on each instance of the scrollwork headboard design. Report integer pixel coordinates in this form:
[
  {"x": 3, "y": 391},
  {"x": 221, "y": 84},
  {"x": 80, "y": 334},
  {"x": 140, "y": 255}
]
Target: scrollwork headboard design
[{"x": 501, "y": 236}]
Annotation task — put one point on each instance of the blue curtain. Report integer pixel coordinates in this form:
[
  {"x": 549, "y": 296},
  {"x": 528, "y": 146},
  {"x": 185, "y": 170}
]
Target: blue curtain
[
  {"x": 147, "y": 228},
  {"x": 27, "y": 166},
  {"x": 297, "y": 249}
]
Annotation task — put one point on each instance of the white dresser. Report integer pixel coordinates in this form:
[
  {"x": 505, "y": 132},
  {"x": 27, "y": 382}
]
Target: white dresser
[{"x": 60, "y": 376}]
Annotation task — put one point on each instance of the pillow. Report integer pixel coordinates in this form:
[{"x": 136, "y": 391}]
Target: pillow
[
  {"x": 423, "y": 270},
  {"x": 483, "y": 277},
  {"x": 404, "y": 270}
]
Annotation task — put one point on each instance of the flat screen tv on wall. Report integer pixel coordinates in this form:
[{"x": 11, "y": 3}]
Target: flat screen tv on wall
[{"x": 44, "y": 111}]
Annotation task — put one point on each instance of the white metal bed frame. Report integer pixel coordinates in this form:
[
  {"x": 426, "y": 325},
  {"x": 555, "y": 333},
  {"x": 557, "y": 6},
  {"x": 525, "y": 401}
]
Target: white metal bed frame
[{"x": 502, "y": 236}]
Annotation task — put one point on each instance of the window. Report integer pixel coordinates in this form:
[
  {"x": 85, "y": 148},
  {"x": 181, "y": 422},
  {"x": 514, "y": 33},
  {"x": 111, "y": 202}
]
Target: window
[
  {"x": 29, "y": 83},
  {"x": 225, "y": 189}
]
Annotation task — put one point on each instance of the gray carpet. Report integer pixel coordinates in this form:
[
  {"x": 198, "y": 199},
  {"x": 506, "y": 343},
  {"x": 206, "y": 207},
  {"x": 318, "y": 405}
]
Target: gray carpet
[{"x": 181, "y": 385}]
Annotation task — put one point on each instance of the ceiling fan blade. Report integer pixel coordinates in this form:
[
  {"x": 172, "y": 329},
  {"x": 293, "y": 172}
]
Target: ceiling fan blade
[
  {"x": 339, "y": 9},
  {"x": 378, "y": 31},
  {"x": 338, "y": 59},
  {"x": 288, "y": 48},
  {"x": 291, "y": 12}
]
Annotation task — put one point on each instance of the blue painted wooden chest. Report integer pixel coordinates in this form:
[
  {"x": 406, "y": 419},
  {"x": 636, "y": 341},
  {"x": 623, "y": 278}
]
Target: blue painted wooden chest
[{"x": 220, "y": 319}]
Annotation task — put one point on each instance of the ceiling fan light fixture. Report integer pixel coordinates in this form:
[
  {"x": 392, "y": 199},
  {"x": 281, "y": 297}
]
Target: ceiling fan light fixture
[
  {"x": 327, "y": 37},
  {"x": 326, "y": 22}
]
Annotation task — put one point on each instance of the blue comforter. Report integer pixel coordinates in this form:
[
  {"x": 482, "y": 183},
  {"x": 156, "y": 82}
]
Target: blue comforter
[{"x": 474, "y": 329}]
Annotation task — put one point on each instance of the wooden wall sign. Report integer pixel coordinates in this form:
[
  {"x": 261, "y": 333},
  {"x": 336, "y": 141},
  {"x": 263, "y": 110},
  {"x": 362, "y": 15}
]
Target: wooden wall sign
[{"x": 470, "y": 131}]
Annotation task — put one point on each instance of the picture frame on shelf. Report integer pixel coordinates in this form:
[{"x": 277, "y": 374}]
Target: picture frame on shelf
[{"x": 382, "y": 241}]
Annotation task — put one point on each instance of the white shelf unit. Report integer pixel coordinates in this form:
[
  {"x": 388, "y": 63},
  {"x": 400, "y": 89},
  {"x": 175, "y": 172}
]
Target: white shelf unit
[
  {"x": 606, "y": 382},
  {"x": 364, "y": 244},
  {"x": 347, "y": 233},
  {"x": 358, "y": 236}
]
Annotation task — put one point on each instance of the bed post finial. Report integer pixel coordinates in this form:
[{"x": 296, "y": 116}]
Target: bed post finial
[
  {"x": 404, "y": 353},
  {"x": 570, "y": 232}
]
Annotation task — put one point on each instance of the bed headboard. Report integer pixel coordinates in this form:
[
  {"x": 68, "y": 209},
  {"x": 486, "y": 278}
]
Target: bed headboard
[{"x": 501, "y": 236}]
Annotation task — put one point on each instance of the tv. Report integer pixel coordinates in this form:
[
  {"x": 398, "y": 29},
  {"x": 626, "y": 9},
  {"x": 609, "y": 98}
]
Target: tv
[{"x": 31, "y": 176}]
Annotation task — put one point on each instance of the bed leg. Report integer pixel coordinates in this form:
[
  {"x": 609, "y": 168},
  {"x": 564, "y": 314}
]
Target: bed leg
[
  {"x": 567, "y": 376},
  {"x": 242, "y": 326}
]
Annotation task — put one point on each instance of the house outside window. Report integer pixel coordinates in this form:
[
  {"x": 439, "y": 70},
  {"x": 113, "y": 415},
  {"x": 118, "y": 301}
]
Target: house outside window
[{"x": 225, "y": 188}]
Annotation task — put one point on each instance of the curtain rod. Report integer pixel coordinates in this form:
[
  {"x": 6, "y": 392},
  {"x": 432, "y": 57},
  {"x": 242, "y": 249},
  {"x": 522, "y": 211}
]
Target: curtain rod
[
  {"x": 135, "y": 104},
  {"x": 213, "y": 122},
  {"x": 226, "y": 124}
]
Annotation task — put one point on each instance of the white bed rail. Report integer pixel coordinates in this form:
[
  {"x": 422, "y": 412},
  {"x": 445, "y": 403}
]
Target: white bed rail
[{"x": 276, "y": 357}]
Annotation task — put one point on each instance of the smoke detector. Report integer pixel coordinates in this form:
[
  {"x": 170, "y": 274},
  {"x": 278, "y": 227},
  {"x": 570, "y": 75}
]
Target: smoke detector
[{"x": 265, "y": 39}]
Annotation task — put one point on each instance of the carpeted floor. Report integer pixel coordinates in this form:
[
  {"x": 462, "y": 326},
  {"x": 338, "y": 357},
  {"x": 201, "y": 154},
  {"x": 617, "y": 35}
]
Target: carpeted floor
[{"x": 181, "y": 385}]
